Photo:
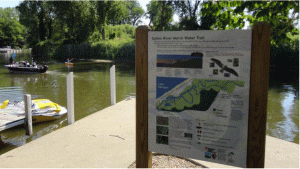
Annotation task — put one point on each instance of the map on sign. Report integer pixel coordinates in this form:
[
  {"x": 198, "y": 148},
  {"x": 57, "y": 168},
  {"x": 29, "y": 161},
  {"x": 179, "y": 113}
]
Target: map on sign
[{"x": 192, "y": 94}]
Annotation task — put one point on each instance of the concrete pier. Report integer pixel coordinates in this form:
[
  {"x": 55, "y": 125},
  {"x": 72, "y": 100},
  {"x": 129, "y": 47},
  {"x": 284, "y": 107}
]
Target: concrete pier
[{"x": 106, "y": 139}]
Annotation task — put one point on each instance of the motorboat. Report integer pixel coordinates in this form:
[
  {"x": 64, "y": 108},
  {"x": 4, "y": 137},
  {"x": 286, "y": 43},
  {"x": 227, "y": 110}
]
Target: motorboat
[
  {"x": 26, "y": 67},
  {"x": 42, "y": 110}
]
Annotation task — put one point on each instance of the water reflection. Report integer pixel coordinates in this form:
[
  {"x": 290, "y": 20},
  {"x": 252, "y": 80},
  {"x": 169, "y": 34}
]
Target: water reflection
[
  {"x": 288, "y": 104},
  {"x": 283, "y": 109},
  {"x": 10, "y": 93}
]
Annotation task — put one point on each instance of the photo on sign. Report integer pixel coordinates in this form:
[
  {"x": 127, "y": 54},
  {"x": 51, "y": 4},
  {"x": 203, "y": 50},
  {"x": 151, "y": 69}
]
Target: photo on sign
[
  {"x": 162, "y": 130},
  {"x": 162, "y": 139},
  {"x": 224, "y": 67},
  {"x": 194, "y": 60},
  {"x": 188, "y": 135},
  {"x": 162, "y": 120}
]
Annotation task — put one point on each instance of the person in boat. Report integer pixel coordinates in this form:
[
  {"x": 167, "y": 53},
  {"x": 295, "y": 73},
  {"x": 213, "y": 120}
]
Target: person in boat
[
  {"x": 34, "y": 64},
  {"x": 11, "y": 60},
  {"x": 23, "y": 64},
  {"x": 69, "y": 60}
]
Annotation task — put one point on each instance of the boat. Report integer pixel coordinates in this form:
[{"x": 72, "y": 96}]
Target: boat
[
  {"x": 68, "y": 63},
  {"x": 26, "y": 67},
  {"x": 43, "y": 110}
]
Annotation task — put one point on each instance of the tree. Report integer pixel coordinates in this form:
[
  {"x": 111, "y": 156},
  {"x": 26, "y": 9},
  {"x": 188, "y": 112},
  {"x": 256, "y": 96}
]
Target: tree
[
  {"x": 37, "y": 17},
  {"x": 110, "y": 12},
  {"x": 160, "y": 14},
  {"x": 117, "y": 12},
  {"x": 77, "y": 20},
  {"x": 283, "y": 16},
  {"x": 220, "y": 15},
  {"x": 12, "y": 33},
  {"x": 187, "y": 12},
  {"x": 135, "y": 12},
  {"x": 102, "y": 11}
]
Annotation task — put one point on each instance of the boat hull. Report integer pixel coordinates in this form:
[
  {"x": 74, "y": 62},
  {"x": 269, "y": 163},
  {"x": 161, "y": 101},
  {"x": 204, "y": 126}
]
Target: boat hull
[
  {"x": 43, "y": 110},
  {"x": 41, "y": 118},
  {"x": 15, "y": 69},
  {"x": 68, "y": 63}
]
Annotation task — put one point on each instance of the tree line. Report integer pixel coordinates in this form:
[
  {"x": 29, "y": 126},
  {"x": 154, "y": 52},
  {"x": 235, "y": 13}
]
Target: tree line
[{"x": 51, "y": 26}]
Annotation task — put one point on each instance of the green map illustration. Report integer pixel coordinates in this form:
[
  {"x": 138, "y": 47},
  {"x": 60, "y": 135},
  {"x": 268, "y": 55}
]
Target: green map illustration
[{"x": 197, "y": 96}]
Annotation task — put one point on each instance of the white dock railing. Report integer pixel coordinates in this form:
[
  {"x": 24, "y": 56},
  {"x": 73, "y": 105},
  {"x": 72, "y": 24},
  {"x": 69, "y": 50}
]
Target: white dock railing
[
  {"x": 112, "y": 72},
  {"x": 70, "y": 98},
  {"x": 28, "y": 114}
]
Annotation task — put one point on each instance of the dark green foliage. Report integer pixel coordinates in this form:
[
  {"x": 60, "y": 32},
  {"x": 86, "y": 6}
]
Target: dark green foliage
[
  {"x": 36, "y": 16},
  {"x": 160, "y": 14},
  {"x": 282, "y": 16},
  {"x": 120, "y": 31},
  {"x": 126, "y": 52},
  {"x": 120, "y": 47},
  {"x": 12, "y": 33},
  {"x": 110, "y": 50},
  {"x": 135, "y": 12},
  {"x": 75, "y": 51},
  {"x": 43, "y": 50},
  {"x": 187, "y": 11},
  {"x": 77, "y": 18},
  {"x": 285, "y": 57}
]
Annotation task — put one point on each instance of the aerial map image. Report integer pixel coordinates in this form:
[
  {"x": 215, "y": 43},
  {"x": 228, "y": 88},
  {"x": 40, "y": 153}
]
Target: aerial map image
[
  {"x": 190, "y": 94},
  {"x": 195, "y": 60}
]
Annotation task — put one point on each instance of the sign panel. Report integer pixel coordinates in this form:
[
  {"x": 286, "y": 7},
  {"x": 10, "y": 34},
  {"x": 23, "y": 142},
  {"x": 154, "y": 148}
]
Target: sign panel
[{"x": 199, "y": 94}]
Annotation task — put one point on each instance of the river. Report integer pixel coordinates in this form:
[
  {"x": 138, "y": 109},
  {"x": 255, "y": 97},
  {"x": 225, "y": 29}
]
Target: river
[{"x": 92, "y": 93}]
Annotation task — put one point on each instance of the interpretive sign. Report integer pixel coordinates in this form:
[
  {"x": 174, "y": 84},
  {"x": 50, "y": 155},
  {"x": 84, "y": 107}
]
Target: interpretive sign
[{"x": 198, "y": 94}]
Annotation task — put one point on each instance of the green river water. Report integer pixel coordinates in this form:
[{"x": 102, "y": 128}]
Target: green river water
[{"x": 92, "y": 93}]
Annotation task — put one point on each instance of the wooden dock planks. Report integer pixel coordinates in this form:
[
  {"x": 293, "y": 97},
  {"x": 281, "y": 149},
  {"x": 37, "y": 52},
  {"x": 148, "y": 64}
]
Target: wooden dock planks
[{"x": 8, "y": 121}]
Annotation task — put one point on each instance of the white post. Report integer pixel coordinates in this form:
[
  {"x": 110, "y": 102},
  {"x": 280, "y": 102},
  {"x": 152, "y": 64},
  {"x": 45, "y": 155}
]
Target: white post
[
  {"x": 70, "y": 98},
  {"x": 28, "y": 114},
  {"x": 113, "y": 85}
]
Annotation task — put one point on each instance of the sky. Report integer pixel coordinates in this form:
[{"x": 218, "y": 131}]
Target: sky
[{"x": 9, "y": 3}]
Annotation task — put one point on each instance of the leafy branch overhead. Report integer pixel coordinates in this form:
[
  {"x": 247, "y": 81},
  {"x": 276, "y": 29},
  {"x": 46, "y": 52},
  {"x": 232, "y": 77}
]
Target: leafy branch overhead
[{"x": 222, "y": 15}]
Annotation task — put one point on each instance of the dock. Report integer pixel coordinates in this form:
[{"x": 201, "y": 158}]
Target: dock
[
  {"x": 106, "y": 139},
  {"x": 8, "y": 121}
]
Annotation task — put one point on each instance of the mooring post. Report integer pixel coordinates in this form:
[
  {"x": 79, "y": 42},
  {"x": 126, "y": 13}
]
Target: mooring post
[
  {"x": 113, "y": 85},
  {"x": 70, "y": 98},
  {"x": 143, "y": 156},
  {"x": 28, "y": 114}
]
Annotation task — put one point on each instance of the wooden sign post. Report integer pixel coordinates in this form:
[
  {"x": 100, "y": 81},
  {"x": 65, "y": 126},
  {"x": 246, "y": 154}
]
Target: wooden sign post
[
  {"x": 259, "y": 84},
  {"x": 259, "y": 77},
  {"x": 143, "y": 156}
]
